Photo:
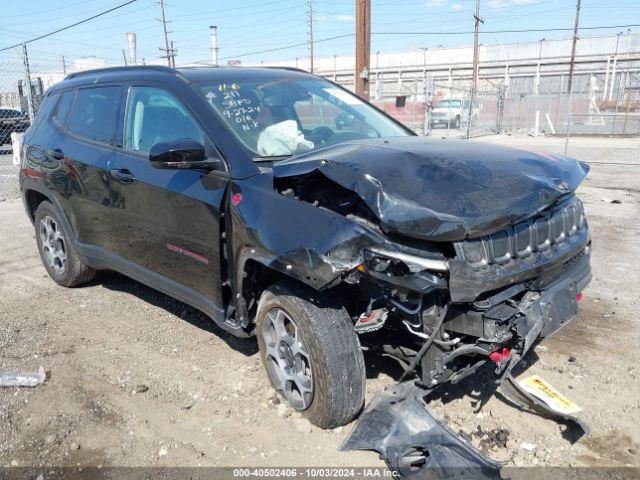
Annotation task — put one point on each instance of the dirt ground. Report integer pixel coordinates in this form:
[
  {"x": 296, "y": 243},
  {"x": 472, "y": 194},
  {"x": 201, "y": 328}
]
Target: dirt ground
[{"x": 138, "y": 379}]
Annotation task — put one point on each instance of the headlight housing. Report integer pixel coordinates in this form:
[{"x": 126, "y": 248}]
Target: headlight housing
[{"x": 399, "y": 263}]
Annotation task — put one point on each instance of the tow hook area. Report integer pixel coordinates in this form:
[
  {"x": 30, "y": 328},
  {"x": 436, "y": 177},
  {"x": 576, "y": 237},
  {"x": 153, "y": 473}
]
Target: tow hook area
[{"x": 414, "y": 443}]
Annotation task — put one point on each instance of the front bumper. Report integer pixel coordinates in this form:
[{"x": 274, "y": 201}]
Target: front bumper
[{"x": 399, "y": 425}]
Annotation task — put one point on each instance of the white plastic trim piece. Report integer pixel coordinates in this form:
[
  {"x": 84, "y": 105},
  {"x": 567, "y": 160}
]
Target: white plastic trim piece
[{"x": 424, "y": 263}]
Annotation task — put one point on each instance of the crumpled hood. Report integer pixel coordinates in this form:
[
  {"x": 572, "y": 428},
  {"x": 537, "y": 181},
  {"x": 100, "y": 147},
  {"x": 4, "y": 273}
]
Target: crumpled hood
[{"x": 442, "y": 190}]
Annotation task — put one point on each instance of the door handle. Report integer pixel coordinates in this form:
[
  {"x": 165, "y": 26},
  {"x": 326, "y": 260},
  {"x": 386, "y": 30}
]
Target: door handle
[
  {"x": 122, "y": 175},
  {"x": 55, "y": 153}
]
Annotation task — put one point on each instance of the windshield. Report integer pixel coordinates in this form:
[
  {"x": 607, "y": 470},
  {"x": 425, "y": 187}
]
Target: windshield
[
  {"x": 294, "y": 115},
  {"x": 448, "y": 104}
]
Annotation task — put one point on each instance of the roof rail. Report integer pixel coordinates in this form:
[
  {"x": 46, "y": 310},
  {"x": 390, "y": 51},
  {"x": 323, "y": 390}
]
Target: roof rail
[{"x": 159, "y": 68}]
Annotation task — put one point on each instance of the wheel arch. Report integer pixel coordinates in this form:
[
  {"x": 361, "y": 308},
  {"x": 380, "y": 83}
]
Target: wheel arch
[
  {"x": 32, "y": 200},
  {"x": 254, "y": 274},
  {"x": 33, "y": 195}
]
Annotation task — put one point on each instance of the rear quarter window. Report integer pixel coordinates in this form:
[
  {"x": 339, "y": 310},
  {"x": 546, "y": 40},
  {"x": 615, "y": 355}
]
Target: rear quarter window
[
  {"x": 96, "y": 113},
  {"x": 62, "y": 108},
  {"x": 46, "y": 108}
]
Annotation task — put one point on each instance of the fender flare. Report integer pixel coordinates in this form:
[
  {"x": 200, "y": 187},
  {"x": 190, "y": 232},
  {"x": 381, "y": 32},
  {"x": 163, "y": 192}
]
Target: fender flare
[{"x": 36, "y": 187}]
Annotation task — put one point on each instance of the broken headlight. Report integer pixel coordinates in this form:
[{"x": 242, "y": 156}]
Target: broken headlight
[{"x": 399, "y": 263}]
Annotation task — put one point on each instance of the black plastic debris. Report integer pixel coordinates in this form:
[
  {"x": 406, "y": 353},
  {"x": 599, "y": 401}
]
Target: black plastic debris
[{"x": 413, "y": 442}]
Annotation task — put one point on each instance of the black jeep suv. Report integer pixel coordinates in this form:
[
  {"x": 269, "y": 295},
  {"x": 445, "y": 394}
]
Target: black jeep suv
[{"x": 241, "y": 192}]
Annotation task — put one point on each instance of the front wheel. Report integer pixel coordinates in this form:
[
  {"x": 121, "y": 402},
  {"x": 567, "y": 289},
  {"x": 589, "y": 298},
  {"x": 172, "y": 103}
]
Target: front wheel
[{"x": 311, "y": 354}]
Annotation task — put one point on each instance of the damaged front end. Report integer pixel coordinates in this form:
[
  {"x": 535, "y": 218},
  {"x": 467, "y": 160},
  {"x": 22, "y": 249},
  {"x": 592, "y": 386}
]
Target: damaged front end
[{"x": 470, "y": 262}]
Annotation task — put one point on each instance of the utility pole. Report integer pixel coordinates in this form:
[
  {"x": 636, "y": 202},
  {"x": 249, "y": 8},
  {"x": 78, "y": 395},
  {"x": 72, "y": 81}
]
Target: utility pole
[
  {"x": 124, "y": 57},
  {"x": 476, "y": 54},
  {"x": 570, "y": 83},
  {"x": 27, "y": 82},
  {"x": 64, "y": 66},
  {"x": 573, "y": 47},
  {"x": 166, "y": 49},
  {"x": 476, "y": 49},
  {"x": 310, "y": 25},
  {"x": 363, "y": 47},
  {"x": 174, "y": 52}
]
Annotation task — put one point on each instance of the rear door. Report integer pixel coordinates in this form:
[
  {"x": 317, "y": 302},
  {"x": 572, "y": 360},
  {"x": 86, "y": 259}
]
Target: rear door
[
  {"x": 78, "y": 159},
  {"x": 167, "y": 221}
]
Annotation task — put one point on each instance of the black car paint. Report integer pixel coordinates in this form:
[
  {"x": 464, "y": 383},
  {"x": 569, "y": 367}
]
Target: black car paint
[
  {"x": 126, "y": 223},
  {"x": 117, "y": 204},
  {"x": 403, "y": 180}
]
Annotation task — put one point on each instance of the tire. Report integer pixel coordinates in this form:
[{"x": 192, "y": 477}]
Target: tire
[
  {"x": 335, "y": 360},
  {"x": 70, "y": 271}
]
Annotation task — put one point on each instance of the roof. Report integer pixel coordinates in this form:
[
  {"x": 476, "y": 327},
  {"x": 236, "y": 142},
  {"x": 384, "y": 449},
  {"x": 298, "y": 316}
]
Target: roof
[{"x": 189, "y": 74}]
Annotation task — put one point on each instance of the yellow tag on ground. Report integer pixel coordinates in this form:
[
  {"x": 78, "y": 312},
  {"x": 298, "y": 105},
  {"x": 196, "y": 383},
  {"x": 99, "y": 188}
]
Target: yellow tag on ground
[{"x": 539, "y": 388}]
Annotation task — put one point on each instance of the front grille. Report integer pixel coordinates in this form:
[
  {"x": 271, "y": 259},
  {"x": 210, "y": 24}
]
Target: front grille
[{"x": 548, "y": 230}]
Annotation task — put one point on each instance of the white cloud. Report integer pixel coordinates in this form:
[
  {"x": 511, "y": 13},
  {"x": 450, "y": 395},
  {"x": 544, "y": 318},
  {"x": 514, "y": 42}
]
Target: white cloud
[
  {"x": 434, "y": 3},
  {"x": 498, "y": 4},
  {"x": 456, "y": 6},
  {"x": 334, "y": 18}
]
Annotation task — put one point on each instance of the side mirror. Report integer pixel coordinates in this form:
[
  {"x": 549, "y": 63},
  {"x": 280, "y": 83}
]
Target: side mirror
[{"x": 179, "y": 154}]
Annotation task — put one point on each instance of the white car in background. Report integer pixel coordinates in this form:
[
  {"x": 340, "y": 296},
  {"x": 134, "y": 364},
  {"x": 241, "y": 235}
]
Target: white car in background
[{"x": 452, "y": 112}]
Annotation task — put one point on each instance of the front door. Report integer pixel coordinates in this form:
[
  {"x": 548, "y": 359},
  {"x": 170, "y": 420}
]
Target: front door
[{"x": 167, "y": 221}]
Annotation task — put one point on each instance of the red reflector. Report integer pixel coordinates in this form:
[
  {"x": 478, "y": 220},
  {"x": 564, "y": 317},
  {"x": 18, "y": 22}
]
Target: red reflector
[
  {"x": 498, "y": 356},
  {"x": 236, "y": 199},
  {"x": 579, "y": 296}
]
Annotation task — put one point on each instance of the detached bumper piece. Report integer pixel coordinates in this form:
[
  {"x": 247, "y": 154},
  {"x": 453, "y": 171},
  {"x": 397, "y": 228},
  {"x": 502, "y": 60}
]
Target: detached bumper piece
[
  {"x": 511, "y": 389},
  {"x": 414, "y": 443}
]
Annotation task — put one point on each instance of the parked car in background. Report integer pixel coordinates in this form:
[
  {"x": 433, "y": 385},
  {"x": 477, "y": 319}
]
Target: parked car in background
[
  {"x": 452, "y": 112},
  {"x": 11, "y": 120}
]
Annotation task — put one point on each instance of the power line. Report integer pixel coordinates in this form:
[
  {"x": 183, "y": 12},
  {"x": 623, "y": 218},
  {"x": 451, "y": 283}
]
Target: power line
[
  {"x": 69, "y": 26},
  {"x": 305, "y": 44},
  {"x": 526, "y": 30}
]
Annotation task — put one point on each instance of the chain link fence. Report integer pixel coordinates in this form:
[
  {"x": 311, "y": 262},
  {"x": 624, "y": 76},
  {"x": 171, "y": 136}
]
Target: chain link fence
[
  {"x": 24, "y": 78},
  {"x": 14, "y": 118},
  {"x": 602, "y": 102}
]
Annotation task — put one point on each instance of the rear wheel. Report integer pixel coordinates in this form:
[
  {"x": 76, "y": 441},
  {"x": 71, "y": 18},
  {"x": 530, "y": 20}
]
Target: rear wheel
[
  {"x": 57, "y": 252},
  {"x": 311, "y": 354}
]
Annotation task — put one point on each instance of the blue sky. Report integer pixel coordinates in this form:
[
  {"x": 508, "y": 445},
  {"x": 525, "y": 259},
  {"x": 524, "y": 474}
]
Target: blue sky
[{"x": 247, "y": 26}]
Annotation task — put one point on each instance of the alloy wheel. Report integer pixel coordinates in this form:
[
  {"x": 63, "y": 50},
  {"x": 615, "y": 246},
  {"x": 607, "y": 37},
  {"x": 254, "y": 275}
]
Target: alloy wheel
[
  {"x": 53, "y": 245},
  {"x": 287, "y": 359}
]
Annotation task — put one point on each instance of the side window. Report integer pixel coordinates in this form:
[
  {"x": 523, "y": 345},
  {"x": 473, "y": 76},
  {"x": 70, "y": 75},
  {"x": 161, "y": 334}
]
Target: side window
[
  {"x": 47, "y": 106},
  {"x": 155, "y": 115},
  {"x": 95, "y": 114},
  {"x": 62, "y": 109}
]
